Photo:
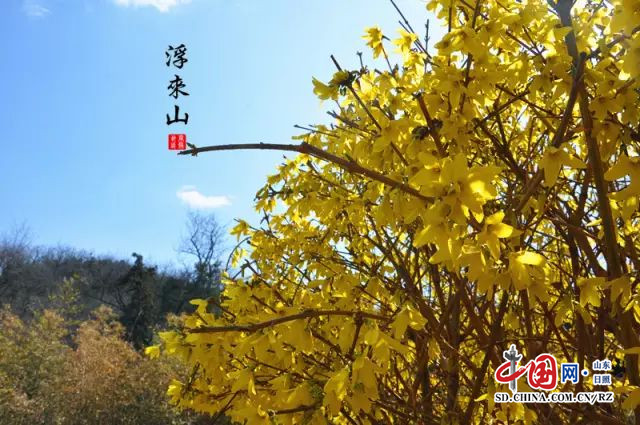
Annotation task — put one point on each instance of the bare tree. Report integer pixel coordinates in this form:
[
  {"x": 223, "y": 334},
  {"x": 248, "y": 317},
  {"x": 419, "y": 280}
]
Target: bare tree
[{"x": 203, "y": 242}]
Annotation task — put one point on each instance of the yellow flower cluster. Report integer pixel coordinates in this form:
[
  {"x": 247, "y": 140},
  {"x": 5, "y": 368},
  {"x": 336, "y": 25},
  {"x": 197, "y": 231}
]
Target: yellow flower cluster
[{"x": 483, "y": 191}]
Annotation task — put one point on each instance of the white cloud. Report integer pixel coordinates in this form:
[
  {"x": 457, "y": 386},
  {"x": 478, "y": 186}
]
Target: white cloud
[
  {"x": 194, "y": 199},
  {"x": 34, "y": 9},
  {"x": 161, "y": 5}
]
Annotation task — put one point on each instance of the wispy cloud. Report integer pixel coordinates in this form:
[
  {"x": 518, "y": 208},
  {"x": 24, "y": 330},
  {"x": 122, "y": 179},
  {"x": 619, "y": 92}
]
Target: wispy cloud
[
  {"x": 194, "y": 199},
  {"x": 34, "y": 10},
  {"x": 161, "y": 5}
]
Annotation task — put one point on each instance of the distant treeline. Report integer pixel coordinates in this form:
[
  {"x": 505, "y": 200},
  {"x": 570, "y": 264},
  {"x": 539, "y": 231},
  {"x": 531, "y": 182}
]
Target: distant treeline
[{"x": 34, "y": 279}]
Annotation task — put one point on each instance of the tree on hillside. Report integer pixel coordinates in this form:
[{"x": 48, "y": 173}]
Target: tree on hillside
[
  {"x": 482, "y": 193},
  {"x": 140, "y": 311}
]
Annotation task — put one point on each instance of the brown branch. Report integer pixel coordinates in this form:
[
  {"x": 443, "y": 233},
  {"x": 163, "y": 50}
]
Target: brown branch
[
  {"x": 432, "y": 130},
  {"x": 627, "y": 334},
  {"x": 253, "y": 327},
  {"x": 617, "y": 40},
  {"x": 373, "y": 119},
  {"x": 307, "y": 149},
  {"x": 408, "y": 25},
  {"x": 358, "y": 320},
  {"x": 495, "y": 333},
  {"x": 558, "y": 137},
  {"x": 499, "y": 109},
  {"x": 295, "y": 410}
]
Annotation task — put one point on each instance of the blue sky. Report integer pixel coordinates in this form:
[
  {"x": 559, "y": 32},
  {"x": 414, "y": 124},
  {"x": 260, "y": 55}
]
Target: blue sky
[{"x": 84, "y": 153}]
